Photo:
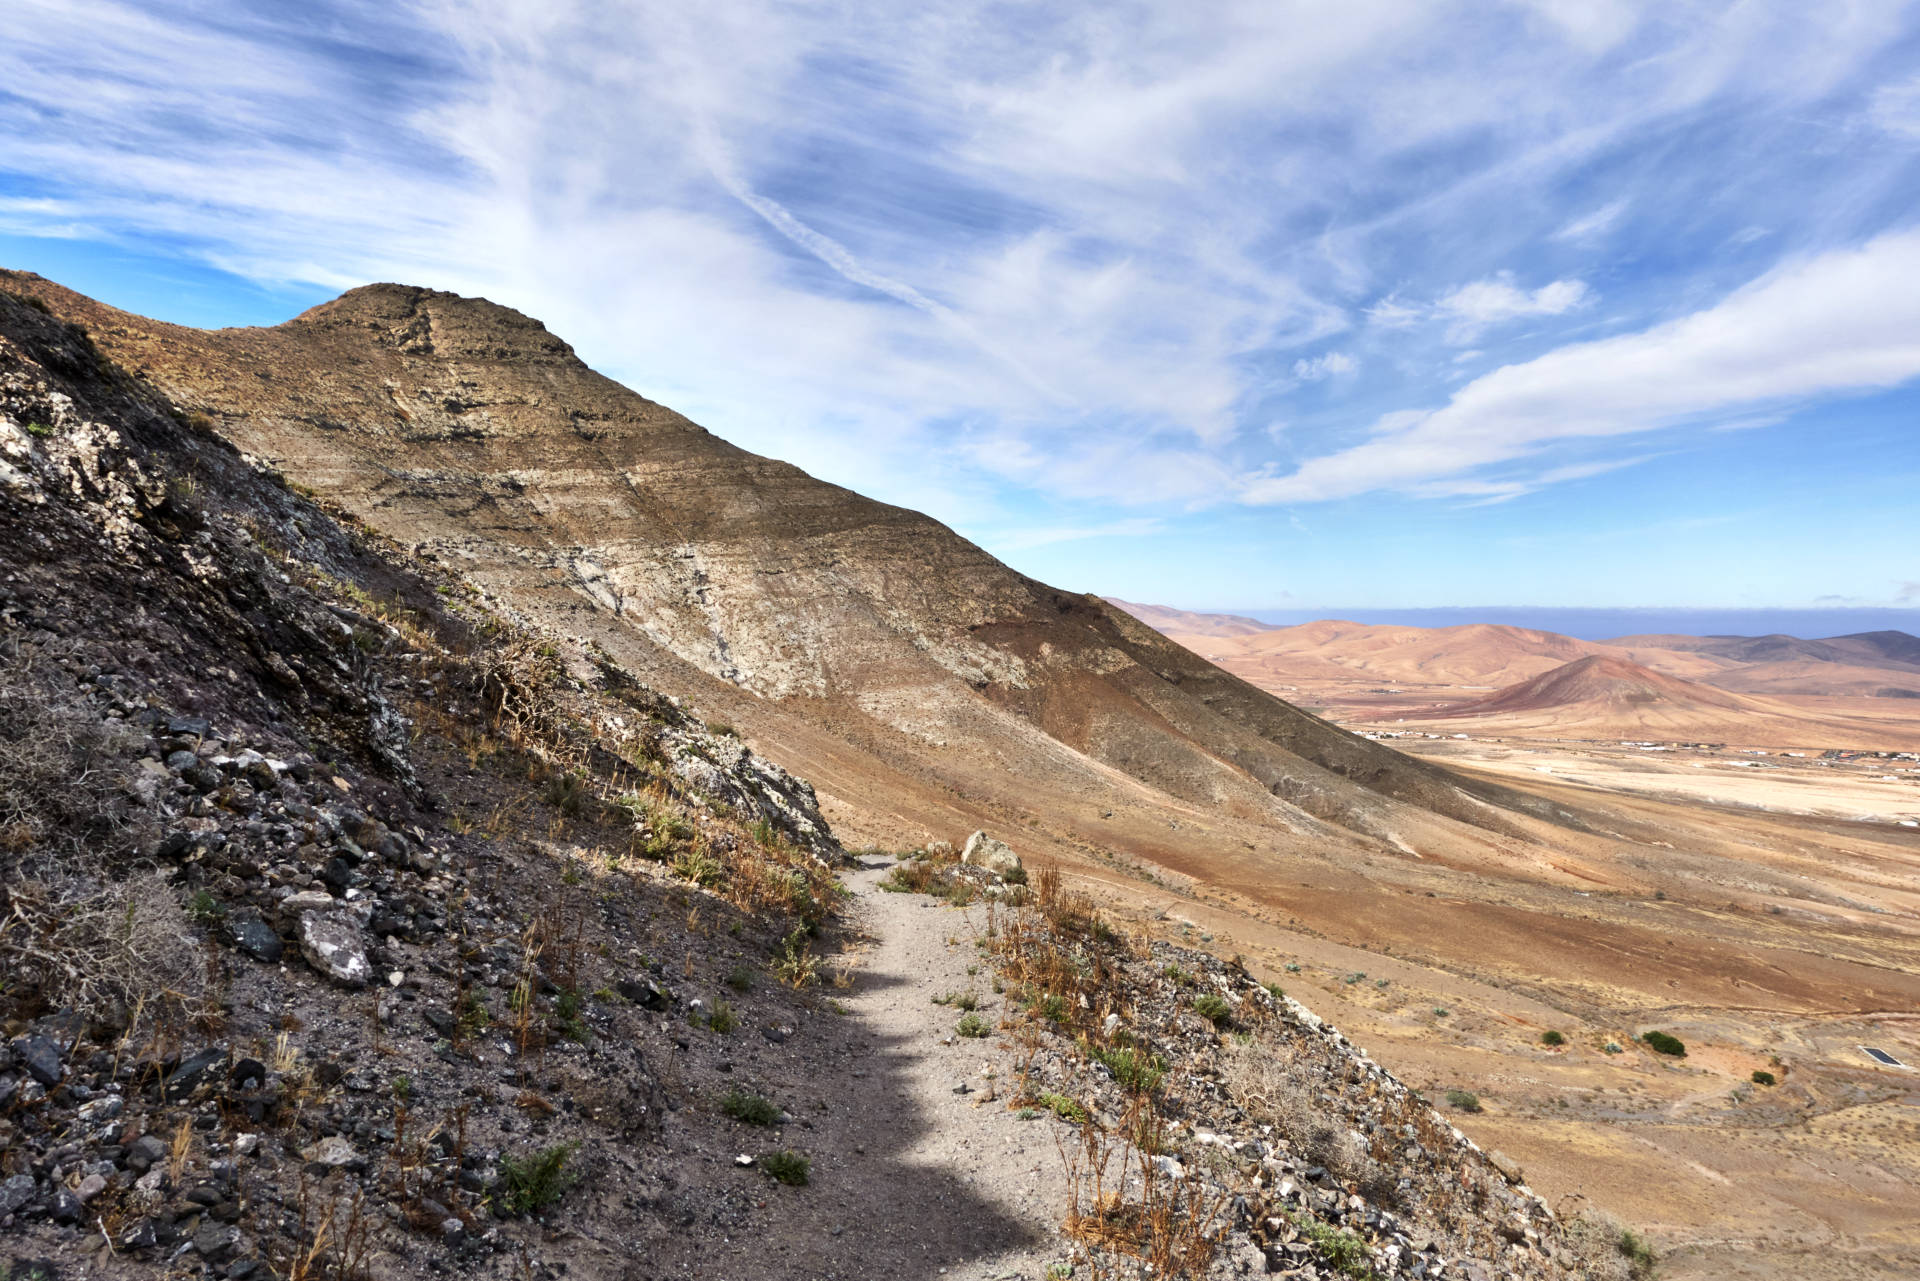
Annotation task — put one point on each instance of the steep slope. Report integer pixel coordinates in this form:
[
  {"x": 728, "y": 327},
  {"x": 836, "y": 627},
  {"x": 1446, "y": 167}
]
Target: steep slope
[{"x": 467, "y": 428}]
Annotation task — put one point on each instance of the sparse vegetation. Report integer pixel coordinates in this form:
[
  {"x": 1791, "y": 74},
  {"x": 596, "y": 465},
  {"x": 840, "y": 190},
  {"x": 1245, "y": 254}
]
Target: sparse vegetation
[
  {"x": 1215, "y": 1009},
  {"x": 531, "y": 1183},
  {"x": 790, "y": 1168},
  {"x": 1762, "y": 1077},
  {"x": 1465, "y": 1100},
  {"x": 1134, "y": 1070},
  {"x": 749, "y": 1109},
  {"x": 972, "y": 1025},
  {"x": 1662, "y": 1043},
  {"x": 1343, "y": 1250},
  {"x": 1551, "y": 1037},
  {"x": 1063, "y": 1107}
]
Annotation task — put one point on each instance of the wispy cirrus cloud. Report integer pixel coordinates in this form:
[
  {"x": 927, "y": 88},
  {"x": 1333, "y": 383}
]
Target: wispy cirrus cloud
[
  {"x": 1835, "y": 323},
  {"x": 991, "y": 260}
]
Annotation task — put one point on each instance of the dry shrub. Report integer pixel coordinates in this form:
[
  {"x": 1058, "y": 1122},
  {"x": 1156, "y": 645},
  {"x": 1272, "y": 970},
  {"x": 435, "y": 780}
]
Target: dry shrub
[
  {"x": 105, "y": 949},
  {"x": 1265, "y": 1078},
  {"x": 1121, "y": 1199},
  {"x": 516, "y": 676},
  {"x": 63, "y": 771},
  {"x": 1604, "y": 1249},
  {"x": 81, "y": 923}
]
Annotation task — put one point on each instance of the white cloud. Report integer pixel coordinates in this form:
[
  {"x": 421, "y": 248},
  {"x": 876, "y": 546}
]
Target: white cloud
[
  {"x": 1593, "y": 226},
  {"x": 1324, "y": 366},
  {"x": 1896, "y": 109},
  {"x": 1842, "y": 322},
  {"x": 1025, "y": 539},
  {"x": 1477, "y": 307},
  {"x": 919, "y": 250}
]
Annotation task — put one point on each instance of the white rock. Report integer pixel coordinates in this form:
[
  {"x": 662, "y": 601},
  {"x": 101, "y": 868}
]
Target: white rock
[
  {"x": 984, "y": 851},
  {"x": 333, "y": 945}
]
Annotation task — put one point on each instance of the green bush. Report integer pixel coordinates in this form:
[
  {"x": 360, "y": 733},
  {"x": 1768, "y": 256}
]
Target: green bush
[
  {"x": 535, "y": 1182},
  {"x": 1761, "y": 1077},
  {"x": 1063, "y": 1107},
  {"x": 972, "y": 1025},
  {"x": 722, "y": 1019},
  {"x": 750, "y": 1109},
  {"x": 787, "y": 1167},
  {"x": 1132, "y": 1069},
  {"x": 1465, "y": 1100},
  {"x": 1638, "y": 1253},
  {"x": 1214, "y": 1009},
  {"x": 1661, "y": 1043},
  {"x": 1346, "y": 1252},
  {"x": 1551, "y": 1037}
]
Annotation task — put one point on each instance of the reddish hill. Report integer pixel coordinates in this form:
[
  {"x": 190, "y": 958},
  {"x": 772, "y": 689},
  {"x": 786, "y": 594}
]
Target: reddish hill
[
  {"x": 1599, "y": 678},
  {"x": 1601, "y": 696}
]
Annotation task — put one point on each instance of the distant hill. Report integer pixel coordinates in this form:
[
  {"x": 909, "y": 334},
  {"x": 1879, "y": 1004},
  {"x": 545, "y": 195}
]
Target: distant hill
[
  {"x": 1884, "y": 664},
  {"x": 1169, "y": 621},
  {"x": 1600, "y": 696},
  {"x": 1615, "y": 684}
]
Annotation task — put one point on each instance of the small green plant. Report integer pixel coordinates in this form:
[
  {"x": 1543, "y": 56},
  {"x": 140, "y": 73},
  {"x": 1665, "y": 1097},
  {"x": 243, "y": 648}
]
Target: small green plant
[
  {"x": 39, "y": 429},
  {"x": 401, "y": 1087},
  {"x": 959, "y": 1000},
  {"x": 972, "y": 1025},
  {"x": 1465, "y": 1100},
  {"x": 1214, "y": 1009},
  {"x": 1612, "y": 1047},
  {"x": 720, "y": 729},
  {"x": 1346, "y": 1252},
  {"x": 1355, "y": 977},
  {"x": 1050, "y": 1006},
  {"x": 567, "y": 1008},
  {"x": 1441, "y": 1011},
  {"x": 796, "y": 965},
  {"x": 750, "y": 1109},
  {"x": 534, "y": 1182},
  {"x": 1638, "y": 1254},
  {"x": 1063, "y": 1107},
  {"x": 1178, "y": 975},
  {"x": 1026, "y": 1114},
  {"x": 473, "y": 1016},
  {"x": 1662, "y": 1043},
  {"x": 1275, "y": 991},
  {"x": 787, "y": 1167},
  {"x": 722, "y": 1018},
  {"x": 1132, "y": 1069},
  {"x": 740, "y": 978},
  {"x": 700, "y": 867},
  {"x": 1293, "y": 968},
  {"x": 205, "y": 909},
  {"x": 1762, "y": 1077},
  {"x": 1551, "y": 1037}
]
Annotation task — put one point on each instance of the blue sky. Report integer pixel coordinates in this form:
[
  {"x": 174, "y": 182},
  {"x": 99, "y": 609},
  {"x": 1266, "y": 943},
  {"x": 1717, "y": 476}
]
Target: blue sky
[{"x": 1263, "y": 306}]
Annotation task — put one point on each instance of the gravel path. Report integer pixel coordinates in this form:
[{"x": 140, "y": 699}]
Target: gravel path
[{"x": 911, "y": 1178}]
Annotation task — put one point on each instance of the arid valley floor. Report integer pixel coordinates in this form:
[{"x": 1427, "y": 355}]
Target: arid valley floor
[{"x": 1771, "y": 927}]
